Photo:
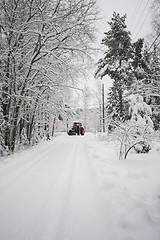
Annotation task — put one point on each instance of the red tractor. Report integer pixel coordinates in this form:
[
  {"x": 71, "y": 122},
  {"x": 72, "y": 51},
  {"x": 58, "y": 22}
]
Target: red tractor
[{"x": 76, "y": 129}]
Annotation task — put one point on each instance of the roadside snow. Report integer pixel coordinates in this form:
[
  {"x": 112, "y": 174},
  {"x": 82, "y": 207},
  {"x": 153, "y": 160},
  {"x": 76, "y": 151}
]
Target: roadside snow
[
  {"x": 132, "y": 192},
  {"x": 74, "y": 188}
]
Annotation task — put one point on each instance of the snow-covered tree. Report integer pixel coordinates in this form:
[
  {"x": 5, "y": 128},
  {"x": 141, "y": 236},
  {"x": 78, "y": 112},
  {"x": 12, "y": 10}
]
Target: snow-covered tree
[
  {"x": 156, "y": 16},
  {"x": 153, "y": 87},
  {"x": 136, "y": 132},
  {"x": 145, "y": 78},
  {"x": 40, "y": 39},
  {"x": 140, "y": 111},
  {"x": 117, "y": 42}
]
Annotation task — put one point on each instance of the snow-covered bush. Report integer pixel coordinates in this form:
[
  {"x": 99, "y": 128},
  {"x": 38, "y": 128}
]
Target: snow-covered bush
[
  {"x": 142, "y": 147},
  {"x": 140, "y": 111},
  {"x": 138, "y": 131}
]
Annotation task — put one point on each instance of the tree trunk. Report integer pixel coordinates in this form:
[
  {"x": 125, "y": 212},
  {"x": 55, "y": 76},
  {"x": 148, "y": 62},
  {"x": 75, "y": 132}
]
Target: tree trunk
[{"x": 14, "y": 130}]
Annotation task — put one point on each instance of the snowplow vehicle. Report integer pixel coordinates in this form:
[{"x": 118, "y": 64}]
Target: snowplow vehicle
[{"x": 77, "y": 129}]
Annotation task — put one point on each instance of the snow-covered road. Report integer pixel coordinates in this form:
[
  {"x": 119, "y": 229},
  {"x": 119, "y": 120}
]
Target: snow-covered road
[
  {"x": 50, "y": 193},
  {"x": 75, "y": 188}
]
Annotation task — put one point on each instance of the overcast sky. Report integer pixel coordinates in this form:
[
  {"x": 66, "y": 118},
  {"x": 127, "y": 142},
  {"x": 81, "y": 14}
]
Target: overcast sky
[
  {"x": 138, "y": 15},
  {"x": 138, "y": 23}
]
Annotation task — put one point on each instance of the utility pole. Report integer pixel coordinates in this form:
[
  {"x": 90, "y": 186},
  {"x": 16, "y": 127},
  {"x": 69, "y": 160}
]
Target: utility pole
[
  {"x": 103, "y": 117},
  {"x": 100, "y": 112}
]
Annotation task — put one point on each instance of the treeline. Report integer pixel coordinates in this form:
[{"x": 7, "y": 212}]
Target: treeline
[
  {"x": 42, "y": 46},
  {"x": 134, "y": 68}
]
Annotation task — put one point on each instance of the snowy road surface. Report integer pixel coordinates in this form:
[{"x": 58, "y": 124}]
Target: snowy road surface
[
  {"x": 51, "y": 194},
  {"x": 71, "y": 188}
]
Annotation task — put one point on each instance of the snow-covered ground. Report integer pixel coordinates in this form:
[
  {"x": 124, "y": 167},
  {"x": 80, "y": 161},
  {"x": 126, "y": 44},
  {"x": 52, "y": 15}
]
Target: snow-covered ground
[{"x": 75, "y": 188}]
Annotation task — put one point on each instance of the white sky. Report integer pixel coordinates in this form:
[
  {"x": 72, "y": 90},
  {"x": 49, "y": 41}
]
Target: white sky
[
  {"x": 138, "y": 23},
  {"x": 138, "y": 15}
]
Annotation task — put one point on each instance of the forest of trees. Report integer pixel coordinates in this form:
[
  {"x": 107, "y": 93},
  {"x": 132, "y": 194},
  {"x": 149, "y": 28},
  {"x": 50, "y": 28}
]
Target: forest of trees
[
  {"x": 43, "y": 47},
  {"x": 134, "y": 68}
]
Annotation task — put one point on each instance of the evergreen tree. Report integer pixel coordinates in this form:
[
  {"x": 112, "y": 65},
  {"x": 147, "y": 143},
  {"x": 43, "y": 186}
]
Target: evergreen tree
[
  {"x": 154, "y": 88},
  {"x": 139, "y": 68},
  {"x": 145, "y": 78},
  {"x": 115, "y": 63}
]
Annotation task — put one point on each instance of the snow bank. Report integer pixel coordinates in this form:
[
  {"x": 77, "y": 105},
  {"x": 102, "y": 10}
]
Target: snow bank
[{"x": 132, "y": 192}]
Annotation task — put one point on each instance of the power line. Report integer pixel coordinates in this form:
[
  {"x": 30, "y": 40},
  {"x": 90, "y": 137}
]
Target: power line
[
  {"x": 142, "y": 23},
  {"x": 138, "y": 6},
  {"x": 141, "y": 27},
  {"x": 139, "y": 19}
]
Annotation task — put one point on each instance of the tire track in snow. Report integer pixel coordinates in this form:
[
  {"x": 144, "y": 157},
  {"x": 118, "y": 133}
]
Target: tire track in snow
[
  {"x": 20, "y": 174},
  {"x": 18, "y": 178},
  {"x": 75, "y": 211},
  {"x": 51, "y": 219},
  {"x": 70, "y": 208},
  {"x": 65, "y": 211},
  {"x": 86, "y": 218},
  {"x": 28, "y": 203}
]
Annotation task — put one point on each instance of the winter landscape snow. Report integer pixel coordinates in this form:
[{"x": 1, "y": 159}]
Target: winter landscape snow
[
  {"x": 79, "y": 120},
  {"x": 75, "y": 188}
]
